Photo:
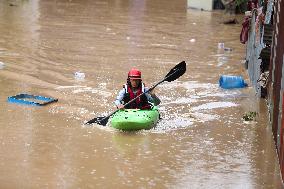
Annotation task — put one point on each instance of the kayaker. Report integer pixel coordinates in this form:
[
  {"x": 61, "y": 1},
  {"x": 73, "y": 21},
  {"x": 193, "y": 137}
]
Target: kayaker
[{"x": 132, "y": 89}]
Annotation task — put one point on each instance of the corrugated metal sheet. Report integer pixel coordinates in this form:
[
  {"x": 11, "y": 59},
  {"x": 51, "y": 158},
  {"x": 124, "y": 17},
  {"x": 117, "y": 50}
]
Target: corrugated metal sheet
[
  {"x": 254, "y": 47},
  {"x": 269, "y": 10},
  {"x": 259, "y": 47}
]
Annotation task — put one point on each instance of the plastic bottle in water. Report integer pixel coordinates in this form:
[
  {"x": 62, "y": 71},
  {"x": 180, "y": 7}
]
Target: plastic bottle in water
[
  {"x": 230, "y": 82},
  {"x": 221, "y": 45},
  {"x": 79, "y": 75}
]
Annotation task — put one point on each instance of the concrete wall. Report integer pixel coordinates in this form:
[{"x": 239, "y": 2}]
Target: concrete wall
[{"x": 200, "y": 4}]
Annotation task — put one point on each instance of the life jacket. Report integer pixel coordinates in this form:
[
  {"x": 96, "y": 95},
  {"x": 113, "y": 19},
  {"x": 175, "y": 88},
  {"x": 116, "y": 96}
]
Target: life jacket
[{"x": 140, "y": 103}]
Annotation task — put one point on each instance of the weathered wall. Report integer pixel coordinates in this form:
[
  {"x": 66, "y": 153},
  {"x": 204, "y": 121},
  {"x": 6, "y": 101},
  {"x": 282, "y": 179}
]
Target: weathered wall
[
  {"x": 275, "y": 69},
  {"x": 276, "y": 80},
  {"x": 275, "y": 98}
]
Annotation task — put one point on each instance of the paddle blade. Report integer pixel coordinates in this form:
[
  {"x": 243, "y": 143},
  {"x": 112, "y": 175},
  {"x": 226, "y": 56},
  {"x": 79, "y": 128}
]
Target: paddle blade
[
  {"x": 99, "y": 120},
  {"x": 176, "y": 72}
]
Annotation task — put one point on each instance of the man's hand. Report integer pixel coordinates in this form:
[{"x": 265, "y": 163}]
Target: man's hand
[{"x": 121, "y": 106}]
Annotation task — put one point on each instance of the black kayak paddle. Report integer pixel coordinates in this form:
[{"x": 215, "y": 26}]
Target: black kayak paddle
[{"x": 174, "y": 73}]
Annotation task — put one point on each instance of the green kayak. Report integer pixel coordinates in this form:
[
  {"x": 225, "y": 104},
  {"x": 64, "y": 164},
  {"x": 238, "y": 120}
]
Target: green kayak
[{"x": 135, "y": 119}]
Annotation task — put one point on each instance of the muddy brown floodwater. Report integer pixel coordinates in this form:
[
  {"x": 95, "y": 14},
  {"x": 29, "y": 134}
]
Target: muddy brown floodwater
[{"x": 201, "y": 141}]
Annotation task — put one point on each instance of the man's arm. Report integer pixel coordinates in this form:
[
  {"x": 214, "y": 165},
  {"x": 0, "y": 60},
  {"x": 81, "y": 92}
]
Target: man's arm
[
  {"x": 151, "y": 97},
  {"x": 118, "y": 101}
]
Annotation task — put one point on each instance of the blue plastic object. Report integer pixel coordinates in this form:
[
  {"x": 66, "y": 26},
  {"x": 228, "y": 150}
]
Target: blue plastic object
[
  {"x": 230, "y": 82},
  {"x": 32, "y": 100}
]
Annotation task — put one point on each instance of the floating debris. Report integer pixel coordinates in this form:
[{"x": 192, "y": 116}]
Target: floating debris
[
  {"x": 230, "y": 82},
  {"x": 79, "y": 75},
  {"x": 2, "y": 65},
  {"x": 228, "y": 49},
  {"x": 221, "y": 45},
  {"x": 250, "y": 116},
  {"x": 34, "y": 100}
]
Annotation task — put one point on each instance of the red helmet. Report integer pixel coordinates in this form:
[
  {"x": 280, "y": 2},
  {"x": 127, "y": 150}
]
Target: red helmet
[{"x": 134, "y": 74}]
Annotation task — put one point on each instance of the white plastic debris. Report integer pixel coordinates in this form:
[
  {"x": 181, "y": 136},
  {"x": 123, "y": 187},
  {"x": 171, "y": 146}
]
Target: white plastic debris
[
  {"x": 192, "y": 40},
  {"x": 221, "y": 45},
  {"x": 2, "y": 65},
  {"x": 79, "y": 75}
]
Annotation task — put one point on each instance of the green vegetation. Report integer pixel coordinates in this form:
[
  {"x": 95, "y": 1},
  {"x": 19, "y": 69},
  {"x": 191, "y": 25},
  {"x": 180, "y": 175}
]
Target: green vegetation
[
  {"x": 241, "y": 6},
  {"x": 240, "y": 2}
]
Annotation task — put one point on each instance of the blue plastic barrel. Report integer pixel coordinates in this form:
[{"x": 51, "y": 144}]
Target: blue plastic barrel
[{"x": 230, "y": 82}]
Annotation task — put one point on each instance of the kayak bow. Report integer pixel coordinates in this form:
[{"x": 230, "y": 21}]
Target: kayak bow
[{"x": 135, "y": 119}]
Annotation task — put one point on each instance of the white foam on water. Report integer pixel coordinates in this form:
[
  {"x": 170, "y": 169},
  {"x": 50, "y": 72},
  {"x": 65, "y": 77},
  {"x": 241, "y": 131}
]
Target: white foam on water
[
  {"x": 172, "y": 124},
  {"x": 189, "y": 85},
  {"x": 163, "y": 45},
  {"x": 69, "y": 87},
  {"x": 83, "y": 89},
  {"x": 204, "y": 117},
  {"x": 182, "y": 100},
  {"x": 214, "y": 105},
  {"x": 200, "y": 85}
]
